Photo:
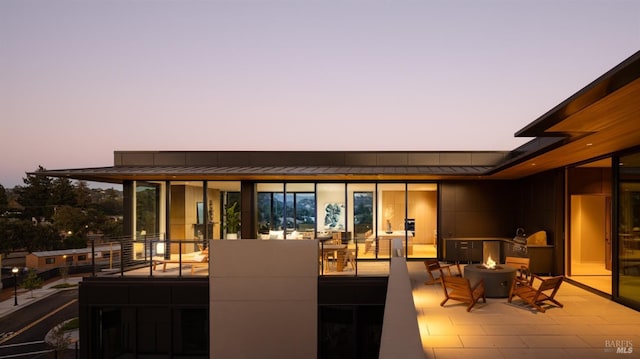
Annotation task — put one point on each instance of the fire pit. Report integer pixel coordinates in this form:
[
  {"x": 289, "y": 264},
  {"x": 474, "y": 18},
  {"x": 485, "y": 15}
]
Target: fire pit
[{"x": 497, "y": 279}]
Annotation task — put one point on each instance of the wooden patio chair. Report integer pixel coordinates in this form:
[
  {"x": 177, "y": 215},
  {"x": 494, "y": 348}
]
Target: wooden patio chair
[
  {"x": 458, "y": 288},
  {"x": 536, "y": 295},
  {"x": 435, "y": 270},
  {"x": 518, "y": 263}
]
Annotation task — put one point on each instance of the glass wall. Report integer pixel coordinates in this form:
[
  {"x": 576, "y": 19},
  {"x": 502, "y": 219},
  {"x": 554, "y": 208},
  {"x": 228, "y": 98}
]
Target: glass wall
[
  {"x": 148, "y": 196},
  {"x": 223, "y": 203},
  {"x": 362, "y": 213},
  {"x": 360, "y": 219},
  {"x": 150, "y": 220},
  {"x": 366, "y": 216},
  {"x": 301, "y": 210},
  {"x": 194, "y": 215},
  {"x": 270, "y": 207},
  {"x": 629, "y": 228}
]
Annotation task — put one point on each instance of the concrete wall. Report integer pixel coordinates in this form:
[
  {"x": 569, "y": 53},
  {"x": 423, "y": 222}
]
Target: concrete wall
[
  {"x": 400, "y": 331},
  {"x": 264, "y": 299}
]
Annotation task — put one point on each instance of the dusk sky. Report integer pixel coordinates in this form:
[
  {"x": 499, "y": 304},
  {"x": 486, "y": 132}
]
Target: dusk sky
[{"x": 80, "y": 79}]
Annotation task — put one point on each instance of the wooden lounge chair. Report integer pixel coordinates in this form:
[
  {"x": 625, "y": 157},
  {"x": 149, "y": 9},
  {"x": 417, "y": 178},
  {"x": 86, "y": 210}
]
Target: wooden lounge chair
[
  {"x": 435, "y": 270},
  {"x": 536, "y": 295},
  {"x": 196, "y": 260},
  {"x": 458, "y": 288}
]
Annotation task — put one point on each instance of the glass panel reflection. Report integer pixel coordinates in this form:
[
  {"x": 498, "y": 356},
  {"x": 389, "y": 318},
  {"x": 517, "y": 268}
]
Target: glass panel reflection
[{"x": 629, "y": 227}]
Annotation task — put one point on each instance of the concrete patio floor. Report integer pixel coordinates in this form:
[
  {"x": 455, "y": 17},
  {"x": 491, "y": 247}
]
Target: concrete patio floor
[{"x": 589, "y": 326}]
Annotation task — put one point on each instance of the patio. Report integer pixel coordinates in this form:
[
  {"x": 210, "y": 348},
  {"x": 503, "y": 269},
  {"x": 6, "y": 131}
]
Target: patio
[{"x": 588, "y": 326}]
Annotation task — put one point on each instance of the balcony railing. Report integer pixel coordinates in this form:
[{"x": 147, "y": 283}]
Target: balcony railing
[{"x": 155, "y": 255}]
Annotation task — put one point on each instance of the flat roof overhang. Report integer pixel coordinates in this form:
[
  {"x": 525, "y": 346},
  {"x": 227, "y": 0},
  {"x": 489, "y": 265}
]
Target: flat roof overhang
[{"x": 119, "y": 174}]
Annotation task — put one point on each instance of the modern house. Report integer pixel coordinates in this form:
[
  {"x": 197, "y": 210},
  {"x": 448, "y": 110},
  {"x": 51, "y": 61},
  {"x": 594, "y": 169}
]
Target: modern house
[{"x": 577, "y": 180}]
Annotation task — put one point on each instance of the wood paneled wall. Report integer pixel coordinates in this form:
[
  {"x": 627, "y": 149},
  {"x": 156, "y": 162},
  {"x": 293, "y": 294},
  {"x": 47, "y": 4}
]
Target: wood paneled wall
[
  {"x": 422, "y": 207},
  {"x": 478, "y": 209}
]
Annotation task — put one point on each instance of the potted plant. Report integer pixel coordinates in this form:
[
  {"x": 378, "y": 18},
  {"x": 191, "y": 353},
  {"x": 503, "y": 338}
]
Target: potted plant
[{"x": 232, "y": 221}]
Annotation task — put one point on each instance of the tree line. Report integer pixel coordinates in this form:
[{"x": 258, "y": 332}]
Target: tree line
[{"x": 54, "y": 213}]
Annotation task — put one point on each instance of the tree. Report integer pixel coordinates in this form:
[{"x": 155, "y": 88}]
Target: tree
[
  {"x": 64, "y": 273},
  {"x": 59, "y": 207},
  {"x": 5, "y": 232},
  {"x": 32, "y": 281},
  {"x": 83, "y": 195},
  {"x": 74, "y": 242},
  {"x": 59, "y": 339},
  {"x": 4, "y": 200},
  {"x": 109, "y": 201},
  {"x": 70, "y": 220},
  {"x": 35, "y": 196},
  {"x": 62, "y": 193},
  {"x": 111, "y": 227}
]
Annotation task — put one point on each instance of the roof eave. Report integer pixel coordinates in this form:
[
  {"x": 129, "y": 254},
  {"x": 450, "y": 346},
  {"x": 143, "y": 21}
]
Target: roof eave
[{"x": 613, "y": 80}]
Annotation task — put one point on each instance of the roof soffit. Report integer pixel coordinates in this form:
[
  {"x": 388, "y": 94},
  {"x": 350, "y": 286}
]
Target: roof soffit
[{"x": 615, "y": 79}]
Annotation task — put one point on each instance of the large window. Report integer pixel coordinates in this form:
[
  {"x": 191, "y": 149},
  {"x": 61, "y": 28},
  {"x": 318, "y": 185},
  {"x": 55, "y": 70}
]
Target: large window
[
  {"x": 149, "y": 216},
  {"x": 222, "y": 195},
  {"x": 147, "y": 209},
  {"x": 363, "y": 214},
  {"x": 270, "y": 207},
  {"x": 286, "y": 210},
  {"x": 305, "y": 211}
]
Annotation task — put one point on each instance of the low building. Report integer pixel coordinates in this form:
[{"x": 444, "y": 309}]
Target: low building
[{"x": 104, "y": 256}]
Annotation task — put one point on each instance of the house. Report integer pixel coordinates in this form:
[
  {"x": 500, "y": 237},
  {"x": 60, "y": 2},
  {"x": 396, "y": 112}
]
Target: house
[{"x": 577, "y": 180}]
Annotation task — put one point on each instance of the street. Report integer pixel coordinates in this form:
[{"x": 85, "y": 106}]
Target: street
[{"x": 22, "y": 333}]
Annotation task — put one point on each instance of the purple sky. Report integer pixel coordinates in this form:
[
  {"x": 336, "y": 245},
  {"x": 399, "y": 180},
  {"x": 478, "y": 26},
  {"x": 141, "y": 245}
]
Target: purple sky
[{"x": 80, "y": 79}]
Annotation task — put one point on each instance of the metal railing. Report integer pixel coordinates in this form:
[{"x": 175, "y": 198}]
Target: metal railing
[
  {"x": 133, "y": 256},
  {"x": 154, "y": 255}
]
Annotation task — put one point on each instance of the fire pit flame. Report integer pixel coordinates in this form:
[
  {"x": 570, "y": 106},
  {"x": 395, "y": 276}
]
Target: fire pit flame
[{"x": 491, "y": 264}]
